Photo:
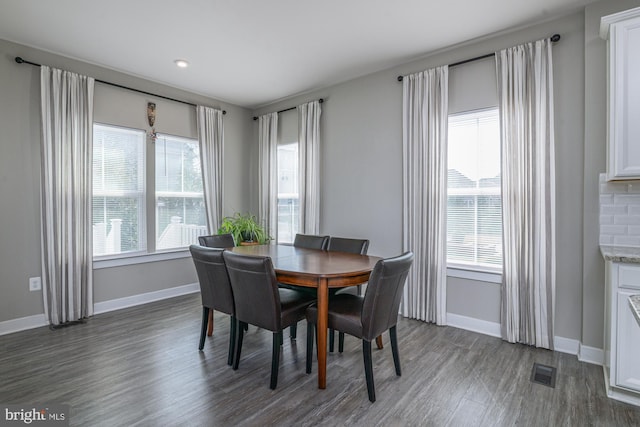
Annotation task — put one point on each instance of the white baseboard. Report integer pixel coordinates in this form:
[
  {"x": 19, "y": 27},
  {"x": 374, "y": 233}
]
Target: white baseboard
[
  {"x": 117, "y": 304},
  {"x": 22, "y": 323},
  {"x": 474, "y": 325},
  {"x": 38, "y": 320},
  {"x": 564, "y": 345},
  {"x": 591, "y": 355}
]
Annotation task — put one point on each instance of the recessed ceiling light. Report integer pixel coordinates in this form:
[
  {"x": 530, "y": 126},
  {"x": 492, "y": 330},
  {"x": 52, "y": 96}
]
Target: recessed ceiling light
[{"x": 181, "y": 63}]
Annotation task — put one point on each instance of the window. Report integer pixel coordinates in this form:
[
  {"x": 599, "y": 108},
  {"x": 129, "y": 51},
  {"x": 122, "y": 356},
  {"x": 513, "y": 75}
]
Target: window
[
  {"x": 180, "y": 211},
  {"x": 120, "y": 211},
  {"x": 118, "y": 190},
  {"x": 288, "y": 193},
  {"x": 474, "y": 208}
]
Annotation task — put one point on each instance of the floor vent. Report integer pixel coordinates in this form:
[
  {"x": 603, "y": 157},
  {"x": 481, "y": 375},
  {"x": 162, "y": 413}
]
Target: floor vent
[{"x": 545, "y": 375}]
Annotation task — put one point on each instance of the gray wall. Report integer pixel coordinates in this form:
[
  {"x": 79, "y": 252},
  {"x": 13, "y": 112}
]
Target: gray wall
[
  {"x": 361, "y": 182},
  {"x": 20, "y": 173}
]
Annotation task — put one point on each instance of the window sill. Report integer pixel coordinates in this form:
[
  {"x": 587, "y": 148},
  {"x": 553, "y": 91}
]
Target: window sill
[
  {"x": 490, "y": 276},
  {"x": 138, "y": 258}
]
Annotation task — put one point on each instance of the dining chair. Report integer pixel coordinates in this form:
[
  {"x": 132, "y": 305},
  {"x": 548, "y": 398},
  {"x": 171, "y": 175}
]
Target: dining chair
[
  {"x": 215, "y": 290},
  {"x": 217, "y": 241},
  {"x": 354, "y": 246},
  {"x": 260, "y": 302},
  {"x": 343, "y": 244},
  {"x": 368, "y": 316},
  {"x": 311, "y": 241}
]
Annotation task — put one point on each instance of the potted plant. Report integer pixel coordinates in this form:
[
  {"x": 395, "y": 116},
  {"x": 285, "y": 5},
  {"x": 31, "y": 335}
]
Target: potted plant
[{"x": 245, "y": 229}]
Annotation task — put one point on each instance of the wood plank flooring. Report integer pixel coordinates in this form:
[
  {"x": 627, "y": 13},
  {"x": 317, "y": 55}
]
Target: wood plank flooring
[{"x": 141, "y": 367}]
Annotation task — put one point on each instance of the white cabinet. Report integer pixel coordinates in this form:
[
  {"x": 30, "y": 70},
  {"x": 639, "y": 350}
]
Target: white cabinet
[
  {"x": 622, "y": 32},
  {"x": 622, "y": 332}
]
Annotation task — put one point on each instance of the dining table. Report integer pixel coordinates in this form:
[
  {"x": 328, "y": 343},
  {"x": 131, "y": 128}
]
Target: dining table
[{"x": 318, "y": 269}]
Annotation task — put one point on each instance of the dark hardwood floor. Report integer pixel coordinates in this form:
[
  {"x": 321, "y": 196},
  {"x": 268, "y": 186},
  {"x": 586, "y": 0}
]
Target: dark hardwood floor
[{"x": 141, "y": 367}]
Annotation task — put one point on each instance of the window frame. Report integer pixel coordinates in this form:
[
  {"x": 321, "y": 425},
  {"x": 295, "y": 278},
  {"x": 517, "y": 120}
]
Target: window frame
[{"x": 150, "y": 253}]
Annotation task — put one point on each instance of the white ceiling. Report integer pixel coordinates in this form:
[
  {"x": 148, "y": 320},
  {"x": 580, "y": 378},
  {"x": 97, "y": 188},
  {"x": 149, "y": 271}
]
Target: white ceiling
[{"x": 253, "y": 52}]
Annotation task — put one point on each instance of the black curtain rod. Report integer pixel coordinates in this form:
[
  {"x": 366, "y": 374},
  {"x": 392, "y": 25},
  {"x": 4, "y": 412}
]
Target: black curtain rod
[
  {"x": 19, "y": 60},
  {"x": 554, "y": 38},
  {"x": 289, "y": 109}
]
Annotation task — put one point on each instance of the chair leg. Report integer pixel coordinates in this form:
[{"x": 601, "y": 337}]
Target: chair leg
[
  {"x": 232, "y": 339},
  {"x": 293, "y": 331},
  {"x": 341, "y": 342},
  {"x": 394, "y": 349},
  {"x": 203, "y": 329},
  {"x": 331, "y": 340},
  {"x": 379, "y": 342},
  {"x": 210, "y": 328},
  {"x": 238, "y": 345},
  {"x": 368, "y": 369},
  {"x": 275, "y": 359},
  {"x": 310, "y": 335}
]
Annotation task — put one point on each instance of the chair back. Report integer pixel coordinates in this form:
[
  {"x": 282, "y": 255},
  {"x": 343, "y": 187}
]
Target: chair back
[
  {"x": 383, "y": 295},
  {"x": 217, "y": 241},
  {"x": 255, "y": 290},
  {"x": 354, "y": 246},
  {"x": 310, "y": 241},
  {"x": 215, "y": 287}
]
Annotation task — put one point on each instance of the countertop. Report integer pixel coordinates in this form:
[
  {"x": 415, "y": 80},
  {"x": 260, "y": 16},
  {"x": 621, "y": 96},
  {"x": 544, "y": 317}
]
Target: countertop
[
  {"x": 634, "y": 302},
  {"x": 620, "y": 253}
]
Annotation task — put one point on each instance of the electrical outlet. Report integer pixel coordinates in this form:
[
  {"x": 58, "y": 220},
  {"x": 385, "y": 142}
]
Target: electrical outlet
[{"x": 35, "y": 284}]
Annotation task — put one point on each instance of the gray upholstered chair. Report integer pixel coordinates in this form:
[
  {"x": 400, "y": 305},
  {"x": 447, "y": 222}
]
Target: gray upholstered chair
[
  {"x": 215, "y": 290},
  {"x": 310, "y": 241},
  {"x": 260, "y": 302},
  {"x": 369, "y": 316},
  {"x": 217, "y": 241},
  {"x": 353, "y": 246}
]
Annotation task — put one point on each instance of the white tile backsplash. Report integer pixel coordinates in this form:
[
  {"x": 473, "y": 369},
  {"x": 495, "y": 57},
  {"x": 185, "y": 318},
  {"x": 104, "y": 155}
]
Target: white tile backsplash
[{"x": 619, "y": 213}]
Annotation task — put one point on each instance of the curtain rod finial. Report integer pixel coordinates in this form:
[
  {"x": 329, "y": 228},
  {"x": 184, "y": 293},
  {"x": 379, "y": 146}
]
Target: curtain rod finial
[
  {"x": 400, "y": 78},
  {"x": 19, "y": 60},
  {"x": 555, "y": 38}
]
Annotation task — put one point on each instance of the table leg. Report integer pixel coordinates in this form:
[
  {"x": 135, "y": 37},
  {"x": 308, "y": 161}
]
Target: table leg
[
  {"x": 210, "y": 325},
  {"x": 321, "y": 331}
]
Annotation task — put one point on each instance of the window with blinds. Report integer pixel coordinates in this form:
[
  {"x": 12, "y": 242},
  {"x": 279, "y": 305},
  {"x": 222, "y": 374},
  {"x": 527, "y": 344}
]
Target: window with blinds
[
  {"x": 288, "y": 193},
  {"x": 474, "y": 206},
  {"x": 180, "y": 210},
  {"x": 118, "y": 190}
]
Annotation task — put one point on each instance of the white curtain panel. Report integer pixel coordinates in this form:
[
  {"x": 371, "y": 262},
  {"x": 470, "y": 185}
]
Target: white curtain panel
[
  {"x": 66, "y": 193},
  {"x": 268, "y": 172},
  {"x": 211, "y": 136},
  {"x": 309, "y": 166},
  {"x": 424, "y": 144},
  {"x": 525, "y": 90}
]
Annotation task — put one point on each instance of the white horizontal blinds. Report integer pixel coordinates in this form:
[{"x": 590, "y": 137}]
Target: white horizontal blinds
[
  {"x": 118, "y": 190},
  {"x": 474, "y": 207},
  {"x": 288, "y": 193},
  {"x": 180, "y": 210}
]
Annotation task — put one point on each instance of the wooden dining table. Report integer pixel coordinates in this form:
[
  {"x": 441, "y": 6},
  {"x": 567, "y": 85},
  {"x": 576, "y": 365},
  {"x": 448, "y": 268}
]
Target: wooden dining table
[{"x": 315, "y": 269}]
